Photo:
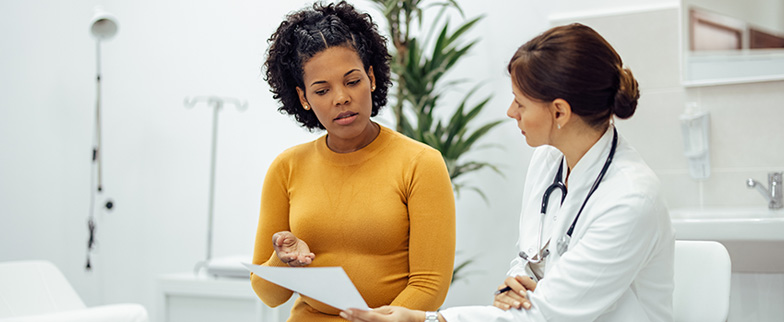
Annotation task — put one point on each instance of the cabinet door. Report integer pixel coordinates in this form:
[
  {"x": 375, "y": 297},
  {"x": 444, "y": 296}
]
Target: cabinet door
[{"x": 196, "y": 309}]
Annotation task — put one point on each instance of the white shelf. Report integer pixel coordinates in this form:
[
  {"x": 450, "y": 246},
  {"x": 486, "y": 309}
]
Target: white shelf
[
  {"x": 734, "y": 68},
  {"x": 194, "y": 298}
]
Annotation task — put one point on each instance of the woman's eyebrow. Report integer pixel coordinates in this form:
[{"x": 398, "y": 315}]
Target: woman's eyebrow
[
  {"x": 351, "y": 71},
  {"x": 344, "y": 75}
]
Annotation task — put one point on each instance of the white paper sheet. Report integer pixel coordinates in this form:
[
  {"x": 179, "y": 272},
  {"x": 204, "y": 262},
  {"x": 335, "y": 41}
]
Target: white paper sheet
[{"x": 329, "y": 285}]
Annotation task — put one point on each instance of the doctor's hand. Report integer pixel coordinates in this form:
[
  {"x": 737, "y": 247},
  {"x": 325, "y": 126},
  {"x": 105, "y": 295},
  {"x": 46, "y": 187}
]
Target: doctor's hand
[
  {"x": 292, "y": 250},
  {"x": 384, "y": 314},
  {"x": 516, "y": 297}
]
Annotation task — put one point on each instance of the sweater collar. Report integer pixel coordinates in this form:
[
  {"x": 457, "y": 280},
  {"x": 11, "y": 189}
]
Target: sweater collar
[{"x": 358, "y": 156}]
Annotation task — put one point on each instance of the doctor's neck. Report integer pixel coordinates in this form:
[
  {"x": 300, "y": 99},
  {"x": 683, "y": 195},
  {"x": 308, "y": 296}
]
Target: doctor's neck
[{"x": 574, "y": 139}]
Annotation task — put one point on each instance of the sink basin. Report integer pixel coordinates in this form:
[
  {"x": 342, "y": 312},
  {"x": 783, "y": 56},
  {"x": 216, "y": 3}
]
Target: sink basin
[
  {"x": 754, "y": 237},
  {"x": 728, "y": 223}
]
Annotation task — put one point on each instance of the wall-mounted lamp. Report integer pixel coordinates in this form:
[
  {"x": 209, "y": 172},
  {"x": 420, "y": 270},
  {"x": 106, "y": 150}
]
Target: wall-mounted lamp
[{"x": 103, "y": 26}]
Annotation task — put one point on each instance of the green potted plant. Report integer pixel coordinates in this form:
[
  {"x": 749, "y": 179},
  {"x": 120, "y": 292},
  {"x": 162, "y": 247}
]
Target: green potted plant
[{"x": 420, "y": 60}]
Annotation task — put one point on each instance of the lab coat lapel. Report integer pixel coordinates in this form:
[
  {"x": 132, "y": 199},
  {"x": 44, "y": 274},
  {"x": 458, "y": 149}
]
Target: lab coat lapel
[
  {"x": 581, "y": 179},
  {"x": 537, "y": 182},
  {"x": 559, "y": 217}
]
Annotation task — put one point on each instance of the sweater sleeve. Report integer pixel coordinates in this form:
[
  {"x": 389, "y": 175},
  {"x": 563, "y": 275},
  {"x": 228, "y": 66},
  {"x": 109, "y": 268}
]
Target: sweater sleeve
[
  {"x": 273, "y": 217},
  {"x": 431, "y": 210}
]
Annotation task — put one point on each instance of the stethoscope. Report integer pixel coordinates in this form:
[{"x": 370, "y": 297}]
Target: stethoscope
[{"x": 563, "y": 243}]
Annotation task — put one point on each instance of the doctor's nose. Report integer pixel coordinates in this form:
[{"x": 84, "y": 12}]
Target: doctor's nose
[{"x": 512, "y": 111}]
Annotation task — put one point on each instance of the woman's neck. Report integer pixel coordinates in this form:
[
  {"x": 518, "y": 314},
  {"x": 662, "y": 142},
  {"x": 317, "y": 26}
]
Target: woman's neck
[
  {"x": 576, "y": 143},
  {"x": 346, "y": 146}
]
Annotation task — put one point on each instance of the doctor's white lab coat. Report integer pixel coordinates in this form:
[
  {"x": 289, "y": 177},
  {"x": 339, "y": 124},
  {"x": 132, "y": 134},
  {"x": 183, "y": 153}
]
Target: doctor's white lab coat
[{"x": 619, "y": 264}]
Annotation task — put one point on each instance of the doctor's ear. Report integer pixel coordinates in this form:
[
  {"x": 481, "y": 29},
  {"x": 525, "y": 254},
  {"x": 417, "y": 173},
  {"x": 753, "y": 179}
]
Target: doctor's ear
[{"x": 562, "y": 112}]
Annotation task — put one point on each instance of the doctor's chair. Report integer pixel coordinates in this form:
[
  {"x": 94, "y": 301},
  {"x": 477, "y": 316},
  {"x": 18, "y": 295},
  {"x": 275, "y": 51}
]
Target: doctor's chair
[
  {"x": 702, "y": 281},
  {"x": 38, "y": 291}
]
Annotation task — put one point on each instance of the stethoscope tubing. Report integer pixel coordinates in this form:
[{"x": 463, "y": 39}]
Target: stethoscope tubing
[
  {"x": 596, "y": 182},
  {"x": 558, "y": 184}
]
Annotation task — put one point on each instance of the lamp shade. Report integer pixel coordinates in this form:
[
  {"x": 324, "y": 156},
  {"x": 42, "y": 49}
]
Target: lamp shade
[{"x": 103, "y": 25}]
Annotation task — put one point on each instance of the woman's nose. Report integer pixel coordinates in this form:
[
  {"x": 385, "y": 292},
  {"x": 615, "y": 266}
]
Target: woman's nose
[{"x": 341, "y": 96}]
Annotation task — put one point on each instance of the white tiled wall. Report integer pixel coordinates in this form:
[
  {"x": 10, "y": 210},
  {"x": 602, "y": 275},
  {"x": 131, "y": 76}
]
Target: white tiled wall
[
  {"x": 746, "y": 139},
  {"x": 758, "y": 299}
]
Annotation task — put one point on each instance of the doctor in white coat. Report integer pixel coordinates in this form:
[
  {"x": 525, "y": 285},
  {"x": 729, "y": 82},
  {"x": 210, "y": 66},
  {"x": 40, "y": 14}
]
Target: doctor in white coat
[{"x": 596, "y": 242}]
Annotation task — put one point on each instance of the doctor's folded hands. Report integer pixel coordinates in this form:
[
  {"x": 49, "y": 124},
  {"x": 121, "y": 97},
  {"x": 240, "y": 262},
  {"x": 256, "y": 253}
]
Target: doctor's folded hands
[{"x": 596, "y": 242}]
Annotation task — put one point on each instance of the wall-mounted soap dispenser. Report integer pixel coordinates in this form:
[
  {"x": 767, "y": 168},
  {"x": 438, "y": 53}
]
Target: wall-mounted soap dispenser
[{"x": 695, "y": 125}]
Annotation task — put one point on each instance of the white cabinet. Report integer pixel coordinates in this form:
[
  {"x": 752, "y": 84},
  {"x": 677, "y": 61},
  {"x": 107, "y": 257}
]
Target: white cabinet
[{"x": 194, "y": 298}]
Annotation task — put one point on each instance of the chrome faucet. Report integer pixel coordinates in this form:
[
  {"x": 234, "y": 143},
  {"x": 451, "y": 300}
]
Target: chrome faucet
[{"x": 773, "y": 193}]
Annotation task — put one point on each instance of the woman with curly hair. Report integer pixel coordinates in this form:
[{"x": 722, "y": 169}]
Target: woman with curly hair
[{"x": 363, "y": 196}]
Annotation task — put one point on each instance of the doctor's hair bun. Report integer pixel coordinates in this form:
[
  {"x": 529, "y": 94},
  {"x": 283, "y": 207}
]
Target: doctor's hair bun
[
  {"x": 574, "y": 63},
  {"x": 628, "y": 93}
]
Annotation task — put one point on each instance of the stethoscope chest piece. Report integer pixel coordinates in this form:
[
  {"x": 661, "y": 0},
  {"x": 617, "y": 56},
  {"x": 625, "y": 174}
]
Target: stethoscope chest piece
[{"x": 562, "y": 244}]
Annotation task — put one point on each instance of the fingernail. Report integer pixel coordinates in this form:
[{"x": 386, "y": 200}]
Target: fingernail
[
  {"x": 527, "y": 305},
  {"x": 517, "y": 304},
  {"x": 344, "y": 315}
]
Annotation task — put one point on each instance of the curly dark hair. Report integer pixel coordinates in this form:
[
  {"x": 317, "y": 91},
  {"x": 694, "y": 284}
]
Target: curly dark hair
[{"x": 309, "y": 31}]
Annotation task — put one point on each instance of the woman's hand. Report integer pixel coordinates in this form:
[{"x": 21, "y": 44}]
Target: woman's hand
[
  {"x": 516, "y": 297},
  {"x": 384, "y": 314},
  {"x": 292, "y": 250}
]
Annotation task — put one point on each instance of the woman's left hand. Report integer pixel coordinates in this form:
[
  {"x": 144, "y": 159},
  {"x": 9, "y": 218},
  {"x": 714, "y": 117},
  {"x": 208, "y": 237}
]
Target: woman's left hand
[
  {"x": 517, "y": 297},
  {"x": 292, "y": 250},
  {"x": 384, "y": 314}
]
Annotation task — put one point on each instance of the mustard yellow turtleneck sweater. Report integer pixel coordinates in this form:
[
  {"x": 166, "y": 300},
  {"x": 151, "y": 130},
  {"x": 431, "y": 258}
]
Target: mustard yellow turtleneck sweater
[{"x": 385, "y": 213}]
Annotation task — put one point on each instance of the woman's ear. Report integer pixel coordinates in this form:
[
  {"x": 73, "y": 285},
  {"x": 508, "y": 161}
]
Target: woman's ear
[
  {"x": 562, "y": 112},
  {"x": 372, "y": 78},
  {"x": 302, "y": 99}
]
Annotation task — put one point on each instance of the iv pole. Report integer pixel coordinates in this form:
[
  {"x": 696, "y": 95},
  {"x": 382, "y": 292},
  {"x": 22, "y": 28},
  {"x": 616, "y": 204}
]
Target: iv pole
[{"x": 217, "y": 104}]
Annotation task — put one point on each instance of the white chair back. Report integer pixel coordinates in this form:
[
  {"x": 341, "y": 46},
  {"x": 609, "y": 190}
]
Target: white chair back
[
  {"x": 702, "y": 281},
  {"x": 35, "y": 287}
]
